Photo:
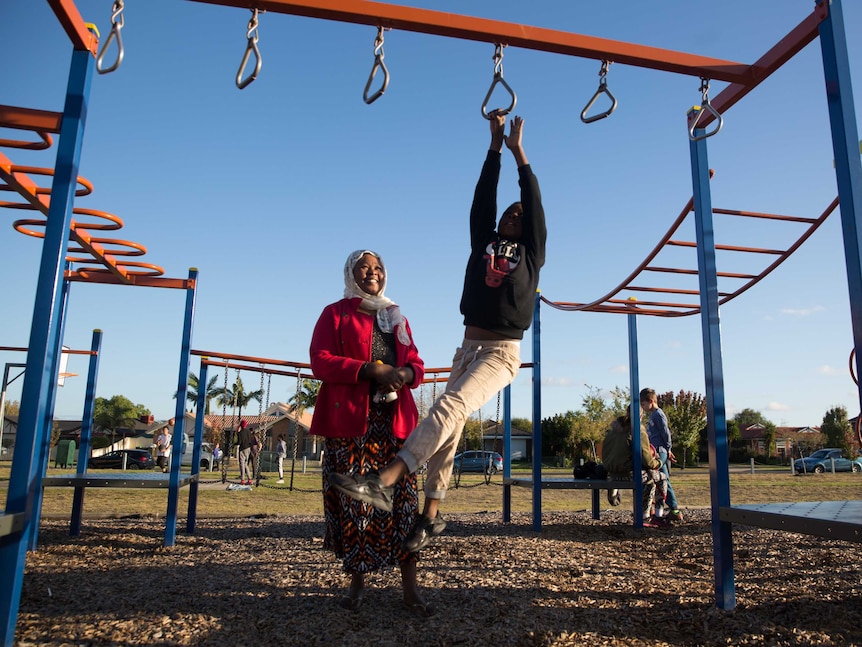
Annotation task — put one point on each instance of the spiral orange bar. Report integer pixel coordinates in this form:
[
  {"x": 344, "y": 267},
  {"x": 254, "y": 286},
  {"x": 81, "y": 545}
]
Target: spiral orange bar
[{"x": 87, "y": 186}]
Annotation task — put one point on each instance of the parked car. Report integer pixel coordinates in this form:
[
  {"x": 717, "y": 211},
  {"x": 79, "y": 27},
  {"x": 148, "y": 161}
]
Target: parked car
[
  {"x": 479, "y": 461},
  {"x": 206, "y": 462},
  {"x": 136, "y": 459},
  {"x": 821, "y": 461}
]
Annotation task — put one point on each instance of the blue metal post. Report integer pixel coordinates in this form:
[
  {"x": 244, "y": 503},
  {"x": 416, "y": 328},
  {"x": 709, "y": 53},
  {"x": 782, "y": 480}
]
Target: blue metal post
[
  {"x": 635, "y": 412},
  {"x": 179, "y": 426},
  {"x": 719, "y": 475},
  {"x": 86, "y": 432},
  {"x": 39, "y": 378},
  {"x": 48, "y": 422},
  {"x": 537, "y": 416},
  {"x": 848, "y": 168},
  {"x": 507, "y": 453},
  {"x": 200, "y": 408}
]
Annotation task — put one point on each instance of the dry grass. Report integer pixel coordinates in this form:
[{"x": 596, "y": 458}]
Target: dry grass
[{"x": 214, "y": 500}]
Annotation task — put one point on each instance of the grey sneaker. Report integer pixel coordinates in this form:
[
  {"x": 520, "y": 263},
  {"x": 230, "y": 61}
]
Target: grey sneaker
[
  {"x": 367, "y": 489},
  {"x": 614, "y": 497},
  {"x": 423, "y": 532}
]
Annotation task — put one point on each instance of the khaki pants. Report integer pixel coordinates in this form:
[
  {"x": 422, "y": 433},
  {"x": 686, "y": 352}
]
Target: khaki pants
[{"x": 479, "y": 370}]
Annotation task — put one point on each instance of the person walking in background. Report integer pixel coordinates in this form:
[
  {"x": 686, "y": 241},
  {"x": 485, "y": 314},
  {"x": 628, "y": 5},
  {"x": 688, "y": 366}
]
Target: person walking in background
[
  {"x": 497, "y": 303},
  {"x": 216, "y": 456},
  {"x": 244, "y": 442},
  {"x": 163, "y": 450},
  {"x": 362, "y": 350},
  {"x": 659, "y": 436},
  {"x": 280, "y": 453}
]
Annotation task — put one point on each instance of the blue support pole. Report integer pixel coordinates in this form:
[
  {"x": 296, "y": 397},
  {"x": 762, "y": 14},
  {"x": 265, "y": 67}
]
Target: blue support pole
[
  {"x": 848, "y": 167},
  {"x": 44, "y": 331},
  {"x": 507, "y": 453},
  {"x": 719, "y": 474},
  {"x": 86, "y": 432},
  {"x": 537, "y": 416},
  {"x": 179, "y": 422},
  {"x": 200, "y": 408},
  {"x": 48, "y": 423},
  {"x": 635, "y": 412}
]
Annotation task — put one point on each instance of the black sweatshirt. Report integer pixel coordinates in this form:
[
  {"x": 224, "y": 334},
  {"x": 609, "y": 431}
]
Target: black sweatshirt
[{"x": 504, "y": 305}]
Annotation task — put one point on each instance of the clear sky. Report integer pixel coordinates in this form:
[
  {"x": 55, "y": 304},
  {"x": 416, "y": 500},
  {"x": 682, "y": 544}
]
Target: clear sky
[{"x": 267, "y": 190}]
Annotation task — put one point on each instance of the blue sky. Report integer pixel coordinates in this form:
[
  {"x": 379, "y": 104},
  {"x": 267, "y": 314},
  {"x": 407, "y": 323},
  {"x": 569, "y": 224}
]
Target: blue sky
[{"x": 267, "y": 190}]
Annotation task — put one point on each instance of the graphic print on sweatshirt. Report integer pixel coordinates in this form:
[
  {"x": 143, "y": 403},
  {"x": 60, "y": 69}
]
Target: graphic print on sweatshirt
[{"x": 501, "y": 258}]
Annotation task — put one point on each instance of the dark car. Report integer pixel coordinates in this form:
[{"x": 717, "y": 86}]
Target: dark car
[
  {"x": 479, "y": 461},
  {"x": 822, "y": 460},
  {"x": 136, "y": 459}
]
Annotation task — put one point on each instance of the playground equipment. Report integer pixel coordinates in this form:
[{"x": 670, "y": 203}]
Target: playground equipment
[{"x": 825, "y": 21}]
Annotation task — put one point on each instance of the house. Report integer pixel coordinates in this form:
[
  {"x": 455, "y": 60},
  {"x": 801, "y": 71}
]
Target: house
[
  {"x": 787, "y": 439},
  {"x": 279, "y": 418},
  {"x": 522, "y": 440}
]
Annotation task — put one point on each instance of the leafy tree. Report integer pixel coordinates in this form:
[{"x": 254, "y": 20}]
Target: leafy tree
[
  {"x": 620, "y": 401},
  {"x": 557, "y": 434},
  {"x": 837, "y": 429},
  {"x": 115, "y": 413},
  {"x": 13, "y": 408},
  {"x": 523, "y": 423},
  {"x": 686, "y": 416},
  {"x": 192, "y": 393},
  {"x": 591, "y": 421},
  {"x": 236, "y": 396}
]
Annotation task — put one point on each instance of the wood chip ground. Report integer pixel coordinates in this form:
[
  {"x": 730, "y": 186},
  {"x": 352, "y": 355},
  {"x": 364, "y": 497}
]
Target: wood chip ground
[{"x": 267, "y": 581}]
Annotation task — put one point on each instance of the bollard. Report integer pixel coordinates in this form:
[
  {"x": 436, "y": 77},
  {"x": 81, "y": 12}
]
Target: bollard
[
  {"x": 752, "y": 464},
  {"x": 832, "y": 460},
  {"x": 304, "y": 463}
]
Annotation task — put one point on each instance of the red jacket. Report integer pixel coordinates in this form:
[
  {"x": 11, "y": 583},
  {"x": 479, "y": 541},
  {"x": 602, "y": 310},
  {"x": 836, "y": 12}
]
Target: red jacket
[{"x": 341, "y": 344}]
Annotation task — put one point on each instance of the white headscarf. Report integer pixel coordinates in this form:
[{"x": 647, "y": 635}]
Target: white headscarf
[{"x": 389, "y": 316}]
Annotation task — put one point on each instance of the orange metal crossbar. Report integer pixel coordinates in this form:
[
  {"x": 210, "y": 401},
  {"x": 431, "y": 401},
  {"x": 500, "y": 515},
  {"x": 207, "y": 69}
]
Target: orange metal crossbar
[
  {"x": 66, "y": 351},
  {"x": 75, "y": 27},
  {"x": 453, "y": 25},
  {"x": 615, "y": 302}
]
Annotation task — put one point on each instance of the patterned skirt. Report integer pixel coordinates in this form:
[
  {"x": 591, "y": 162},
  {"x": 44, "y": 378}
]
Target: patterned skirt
[{"x": 365, "y": 538}]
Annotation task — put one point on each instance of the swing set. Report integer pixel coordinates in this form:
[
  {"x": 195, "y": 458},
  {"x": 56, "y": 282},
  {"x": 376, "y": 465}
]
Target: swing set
[{"x": 108, "y": 260}]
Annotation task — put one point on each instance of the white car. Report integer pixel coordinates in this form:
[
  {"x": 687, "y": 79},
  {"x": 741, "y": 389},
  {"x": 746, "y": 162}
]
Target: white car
[{"x": 206, "y": 462}]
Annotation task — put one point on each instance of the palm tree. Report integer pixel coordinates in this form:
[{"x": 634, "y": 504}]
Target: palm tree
[
  {"x": 192, "y": 395},
  {"x": 236, "y": 396},
  {"x": 306, "y": 396}
]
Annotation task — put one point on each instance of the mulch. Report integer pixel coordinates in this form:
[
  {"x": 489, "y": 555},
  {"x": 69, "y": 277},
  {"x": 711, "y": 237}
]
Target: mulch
[{"x": 267, "y": 581}]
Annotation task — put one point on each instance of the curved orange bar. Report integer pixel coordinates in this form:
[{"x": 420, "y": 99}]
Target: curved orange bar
[
  {"x": 45, "y": 143},
  {"x": 134, "y": 249},
  {"x": 47, "y": 172},
  {"x": 151, "y": 270}
]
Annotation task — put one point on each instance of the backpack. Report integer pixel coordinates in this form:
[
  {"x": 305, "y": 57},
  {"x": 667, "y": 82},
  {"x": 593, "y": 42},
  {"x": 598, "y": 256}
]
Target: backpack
[{"x": 591, "y": 471}]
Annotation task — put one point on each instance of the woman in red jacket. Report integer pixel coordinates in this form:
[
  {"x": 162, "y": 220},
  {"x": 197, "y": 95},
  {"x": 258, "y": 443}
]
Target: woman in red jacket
[{"x": 363, "y": 353}]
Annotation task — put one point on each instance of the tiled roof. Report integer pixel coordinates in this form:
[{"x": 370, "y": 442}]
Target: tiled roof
[{"x": 276, "y": 409}]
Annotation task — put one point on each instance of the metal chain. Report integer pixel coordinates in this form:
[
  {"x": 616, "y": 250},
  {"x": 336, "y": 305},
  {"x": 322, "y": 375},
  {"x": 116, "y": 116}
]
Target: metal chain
[
  {"x": 295, "y": 425},
  {"x": 226, "y": 440}
]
